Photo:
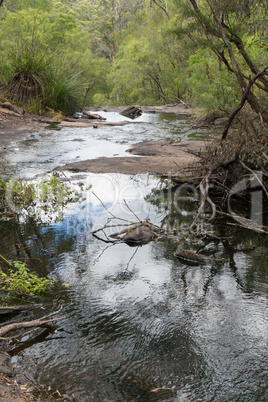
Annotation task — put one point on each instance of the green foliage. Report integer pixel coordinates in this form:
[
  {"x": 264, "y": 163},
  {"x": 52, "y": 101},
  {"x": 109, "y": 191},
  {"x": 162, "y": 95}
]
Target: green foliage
[
  {"x": 47, "y": 197},
  {"x": 66, "y": 55},
  {"x": 150, "y": 65},
  {"x": 53, "y": 191},
  {"x": 210, "y": 86},
  {"x": 19, "y": 284},
  {"x": 45, "y": 60},
  {"x": 63, "y": 91},
  {"x": 21, "y": 193}
]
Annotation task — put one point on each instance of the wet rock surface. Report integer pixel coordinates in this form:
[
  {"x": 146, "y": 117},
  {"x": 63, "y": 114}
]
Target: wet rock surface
[
  {"x": 159, "y": 157},
  {"x": 15, "y": 126}
]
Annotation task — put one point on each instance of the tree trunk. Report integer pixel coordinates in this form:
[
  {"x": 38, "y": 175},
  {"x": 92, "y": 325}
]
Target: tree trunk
[
  {"x": 251, "y": 98},
  {"x": 240, "y": 46}
]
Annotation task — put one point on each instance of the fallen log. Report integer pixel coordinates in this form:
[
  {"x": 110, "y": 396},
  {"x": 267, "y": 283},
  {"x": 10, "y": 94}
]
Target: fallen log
[
  {"x": 132, "y": 112},
  {"x": 43, "y": 322},
  {"x": 93, "y": 115}
]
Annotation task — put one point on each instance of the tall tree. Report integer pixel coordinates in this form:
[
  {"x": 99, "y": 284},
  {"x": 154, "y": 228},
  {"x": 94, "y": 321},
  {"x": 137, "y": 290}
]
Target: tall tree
[{"x": 227, "y": 25}]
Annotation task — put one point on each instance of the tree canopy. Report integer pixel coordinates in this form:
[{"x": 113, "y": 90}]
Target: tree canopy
[{"x": 202, "y": 52}]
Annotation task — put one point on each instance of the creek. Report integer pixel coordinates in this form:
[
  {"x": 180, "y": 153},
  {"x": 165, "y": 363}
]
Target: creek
[{"x": 141, "y": 326}]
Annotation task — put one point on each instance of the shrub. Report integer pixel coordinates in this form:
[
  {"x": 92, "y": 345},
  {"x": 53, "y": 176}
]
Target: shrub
[
  {"x": 21, "y": 284},
  {"x": 63, "y": 90}
]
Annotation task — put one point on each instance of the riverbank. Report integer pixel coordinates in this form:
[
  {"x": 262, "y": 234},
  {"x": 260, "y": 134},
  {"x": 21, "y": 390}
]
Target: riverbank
[{"x": 10, "y": 390}]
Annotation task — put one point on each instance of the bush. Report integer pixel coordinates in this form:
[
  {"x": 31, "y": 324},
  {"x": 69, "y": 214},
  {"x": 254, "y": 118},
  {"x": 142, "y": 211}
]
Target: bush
[
  {"x": 28, "y": 75},
  {"x": 41, "y": 56},
  {"x": 63, "y": 90},
  {"x": 21, "y": 284}
]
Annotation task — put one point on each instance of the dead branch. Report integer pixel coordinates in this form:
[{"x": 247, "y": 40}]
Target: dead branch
[
  {"x": 137, "y": 233},
  {"x": 128, "y": 229},
  {"x": 106, "y": 226},
  {"x": 17, "y": 309},
  {"x": 7, "y": 263},
  {"x": 43, "y": 322},
  {"x": 128, "y": 207},
  {"x": 140, "y": 224},
  {"x": 265, "y": 156},
  {"x": 246, "y": 224},
  {"x": 104, "y": 240},
  {"x": 109, "y": 212},
  {"x": 204, "y": 188},
  {"x": 256, "y": 176}
]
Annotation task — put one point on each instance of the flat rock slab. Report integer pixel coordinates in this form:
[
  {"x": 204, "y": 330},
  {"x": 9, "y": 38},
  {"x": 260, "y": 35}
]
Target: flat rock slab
[
  {"x": 167, "y": 148},
  {"x": 164, "y": 158}
]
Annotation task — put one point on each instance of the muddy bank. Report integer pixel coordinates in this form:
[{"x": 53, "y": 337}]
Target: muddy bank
[{"x": 159, "y": 157}]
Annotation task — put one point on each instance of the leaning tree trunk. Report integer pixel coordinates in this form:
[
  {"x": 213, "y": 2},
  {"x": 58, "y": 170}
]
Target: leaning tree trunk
[
  {"x": 253, "y": 68},
  {"x": 251, "y": 98}
]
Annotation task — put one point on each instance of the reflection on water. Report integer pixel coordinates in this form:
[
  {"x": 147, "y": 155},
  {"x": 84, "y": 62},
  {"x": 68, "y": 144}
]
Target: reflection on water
[{"x": 139, "y": 319}]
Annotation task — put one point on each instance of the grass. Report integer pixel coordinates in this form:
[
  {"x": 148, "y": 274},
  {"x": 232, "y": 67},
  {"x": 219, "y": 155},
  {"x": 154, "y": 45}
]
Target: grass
[{"x": 38, "y": 82}]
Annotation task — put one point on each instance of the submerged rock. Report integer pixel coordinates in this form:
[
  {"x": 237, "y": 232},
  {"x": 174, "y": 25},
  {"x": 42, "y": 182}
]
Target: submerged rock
[{"x": 189, "y": 257}]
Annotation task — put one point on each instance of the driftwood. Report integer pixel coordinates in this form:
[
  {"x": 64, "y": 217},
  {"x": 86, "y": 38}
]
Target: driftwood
[
  {"x": 139, "y": 233},
  {"x": 17, "y": 309},
  {"x": 13, "y": 108},
  {"x": 132, "y": 112},
  {"x": 43, "y": 322},
  {"x": 93, "y": 116},
  {"x": 134, "y": 234}
]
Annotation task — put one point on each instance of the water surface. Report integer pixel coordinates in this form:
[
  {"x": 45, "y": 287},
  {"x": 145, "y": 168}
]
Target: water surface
[{"x": 142, "y": 326}]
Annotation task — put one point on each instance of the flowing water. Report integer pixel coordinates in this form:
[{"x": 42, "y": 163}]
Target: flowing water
[{"x": 141, "y": 326}]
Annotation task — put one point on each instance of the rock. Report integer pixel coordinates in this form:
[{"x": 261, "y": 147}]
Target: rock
[
  {"x": 7, "y": 371},
  {"x": 13, "y": 108},
  {"x": 189, "y": 257},
  {"x": 132, "y": 112}
]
